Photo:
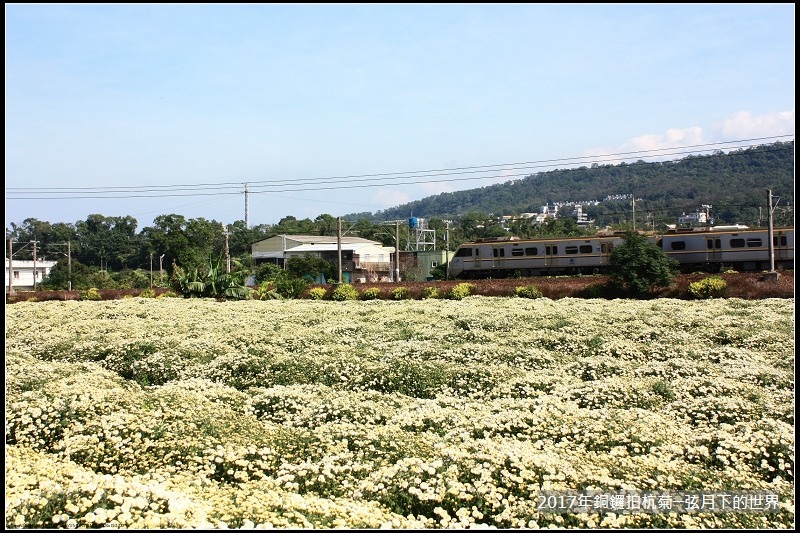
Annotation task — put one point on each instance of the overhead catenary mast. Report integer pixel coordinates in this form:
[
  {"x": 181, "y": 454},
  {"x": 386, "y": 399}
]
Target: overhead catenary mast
[{"x": 246, "y": 207}]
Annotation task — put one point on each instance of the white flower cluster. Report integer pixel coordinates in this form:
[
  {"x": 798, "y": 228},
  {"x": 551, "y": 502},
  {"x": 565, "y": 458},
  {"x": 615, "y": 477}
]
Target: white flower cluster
[{"x": 171, "y": 413}]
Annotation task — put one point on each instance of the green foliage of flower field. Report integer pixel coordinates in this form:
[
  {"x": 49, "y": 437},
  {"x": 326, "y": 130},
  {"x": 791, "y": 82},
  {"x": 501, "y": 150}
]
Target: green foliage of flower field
[{"x": 434, "y": 413}]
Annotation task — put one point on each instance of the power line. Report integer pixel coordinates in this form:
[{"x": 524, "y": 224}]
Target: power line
[{"x": 347, "y": 182}]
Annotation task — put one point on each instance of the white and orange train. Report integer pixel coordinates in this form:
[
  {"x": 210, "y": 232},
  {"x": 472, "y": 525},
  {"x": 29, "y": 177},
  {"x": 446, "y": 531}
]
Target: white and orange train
[{"x": 711, "y": 249}]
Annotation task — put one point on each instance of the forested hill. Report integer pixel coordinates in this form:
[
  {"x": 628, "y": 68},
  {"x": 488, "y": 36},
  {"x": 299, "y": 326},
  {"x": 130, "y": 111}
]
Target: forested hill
[{"x": 734, "y": 183}]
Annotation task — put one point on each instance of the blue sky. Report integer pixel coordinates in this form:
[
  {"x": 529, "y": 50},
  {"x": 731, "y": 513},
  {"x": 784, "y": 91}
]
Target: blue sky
[{"x": 341, "y": 108}]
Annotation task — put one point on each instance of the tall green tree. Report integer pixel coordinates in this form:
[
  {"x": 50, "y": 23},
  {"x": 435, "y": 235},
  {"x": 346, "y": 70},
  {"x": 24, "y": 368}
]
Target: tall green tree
[
  {"x": 185, "y": 242},
  {"x": 639, "y": 266},
  {"x": 63, "y": 273},
  {"x": 290, "y": 225},
  {"x": 326, "y": 225},
  {"x": 51, "y": 239},
  {"x": 108, "y": 242}
]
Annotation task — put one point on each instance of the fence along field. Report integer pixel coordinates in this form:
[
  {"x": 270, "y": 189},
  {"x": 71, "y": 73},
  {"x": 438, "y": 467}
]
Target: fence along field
[{"x": 171, "y": 413}]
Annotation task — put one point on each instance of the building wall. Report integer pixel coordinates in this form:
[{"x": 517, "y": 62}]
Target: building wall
[
  {"x": 22, "y": 278},
  {"x": 362, "y": 259},
  {"x": 419, "y": 263},
  {"x": 273, "y": 244}
]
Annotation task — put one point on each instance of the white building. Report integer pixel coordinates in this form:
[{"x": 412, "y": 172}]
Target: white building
[
  {"x": 23, "y": 273},
  {"x": 362, "y": 260},
  {"x": 692, "y": 218}
]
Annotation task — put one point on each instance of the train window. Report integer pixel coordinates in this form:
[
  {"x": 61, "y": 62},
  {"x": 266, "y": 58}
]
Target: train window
[
  {"x": 678, "y": 245},
  {"x": 586, "y": 249},
  {"x": 517, "y": 252},
  {"x": 713, "y": 243},
  {"x": 531, "y": 251},
  {"x": 753, "y": 243},
  {"x": 737, "y": 243},
  {"x": 551, "y": 250},
  {"x": 464, "y": 252},
  {"x": 782, "y": 241},
  {"x": 499, "y": 252},
  {"x": 570, "y": 250}
]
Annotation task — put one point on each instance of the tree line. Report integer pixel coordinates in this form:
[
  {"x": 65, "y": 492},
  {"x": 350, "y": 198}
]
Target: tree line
[
  {"x": 733, "y": 182},
  {"x": 112, "y": 252}
]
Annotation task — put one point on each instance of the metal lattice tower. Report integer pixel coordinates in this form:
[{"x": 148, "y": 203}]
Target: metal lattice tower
[{"x": 420, "y": 237}]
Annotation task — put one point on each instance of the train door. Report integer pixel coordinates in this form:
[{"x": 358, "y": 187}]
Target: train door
[
  {"x": 550, "y": 254},
  {"x": 713, "y": 249},
  {"x": 499, "y": 256},
  {"x": 780, "y": 246},
  {"x": 605, "y": 252}
]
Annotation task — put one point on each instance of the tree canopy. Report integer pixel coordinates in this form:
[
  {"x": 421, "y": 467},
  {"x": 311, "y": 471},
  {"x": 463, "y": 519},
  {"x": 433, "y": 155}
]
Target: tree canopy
[{"x": 640, "y": 266}]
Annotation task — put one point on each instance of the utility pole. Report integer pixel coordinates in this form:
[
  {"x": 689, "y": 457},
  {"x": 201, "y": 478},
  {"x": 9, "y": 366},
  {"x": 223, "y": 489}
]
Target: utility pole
[
  {"x": 771, "y": 237},
  {"x": 161, "y": 268},
  {"x": 447, "y": 250},
  {"x": 10, "y": 266},
  {"x": 227, "y": 251},
  {"x": 633, "y": 211},
  {"x": 151, "y": 270},
  {"x": 69, "y": 265},
  {"x": 246, "y": 207},
  {"x": 339, "y": 245},
  {"x": 397, "y": 252},
  {"x": 34, "y": 264}
]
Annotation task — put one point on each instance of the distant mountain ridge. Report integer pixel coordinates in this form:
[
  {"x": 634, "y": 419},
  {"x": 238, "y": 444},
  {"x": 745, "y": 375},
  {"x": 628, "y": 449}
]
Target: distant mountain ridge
[{"x": 734, "y": 183}]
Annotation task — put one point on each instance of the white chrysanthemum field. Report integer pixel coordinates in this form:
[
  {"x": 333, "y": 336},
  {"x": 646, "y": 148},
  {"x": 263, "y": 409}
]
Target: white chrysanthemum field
[{"x": 172, "y": 413}]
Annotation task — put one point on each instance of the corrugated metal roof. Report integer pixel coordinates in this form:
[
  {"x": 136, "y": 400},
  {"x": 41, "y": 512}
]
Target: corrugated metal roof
[
  {"x": 327, "y": 247},
  {"x": 327, "y": 239}
]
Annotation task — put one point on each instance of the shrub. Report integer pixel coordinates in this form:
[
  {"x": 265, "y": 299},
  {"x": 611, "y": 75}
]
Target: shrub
[
  {"x": 664, "y": 389},
  {"x": 344, "y": 291},
  {"x": 711, "y": 287},
  {"x": 640, "y": 266},
  {"x": 91, "y": 294},
  {"x": 528, "y": 291},
  {"x": 147, "y": 293},
  {"x": 317, "y": 293},
  {"x": 289, "y": 286},
  {"x": 439, "y": 272},
  {"x": 400, "y": 293},
  {"x": 460, "y": 291},
  {"x": 373, "y": 293},
  {"x": 268, "y": 291},
  {"x": 267, "y": 272},
  {"x": 168, "y": 294},
  {"x": 430, "y": 292}
]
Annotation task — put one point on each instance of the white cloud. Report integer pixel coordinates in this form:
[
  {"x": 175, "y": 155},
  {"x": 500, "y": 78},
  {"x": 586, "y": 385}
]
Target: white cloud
[
  {"x": 739, "y": 126},
  {"x": 649, "y": 144},
  {"x": 743, "y": 125}
]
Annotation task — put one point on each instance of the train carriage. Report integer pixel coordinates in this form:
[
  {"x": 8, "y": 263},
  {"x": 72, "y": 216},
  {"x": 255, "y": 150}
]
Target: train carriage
[
  {"x": 700, "y": 249},
  {"x": 723, "y": 247},
  {"x": 511, "y": 256}
]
